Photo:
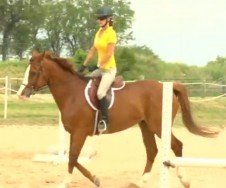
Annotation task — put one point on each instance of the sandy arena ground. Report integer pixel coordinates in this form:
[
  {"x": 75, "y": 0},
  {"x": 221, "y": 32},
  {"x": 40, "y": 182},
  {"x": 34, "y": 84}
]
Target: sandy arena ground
[{"x": 117, "y": 160}]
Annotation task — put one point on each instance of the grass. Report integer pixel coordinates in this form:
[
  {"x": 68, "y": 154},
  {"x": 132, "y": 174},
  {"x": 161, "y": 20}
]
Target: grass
[
  {"x": 39, "y": 110},
  {"x": 207, "y": 112},
  {"x": 13, "y": 68},
  {"x": 42, "y": 110}
]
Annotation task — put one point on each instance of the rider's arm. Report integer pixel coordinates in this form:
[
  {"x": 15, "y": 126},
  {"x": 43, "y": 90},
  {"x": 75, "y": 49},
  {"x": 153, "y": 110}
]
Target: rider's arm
[{"x": 89, "y": 56}]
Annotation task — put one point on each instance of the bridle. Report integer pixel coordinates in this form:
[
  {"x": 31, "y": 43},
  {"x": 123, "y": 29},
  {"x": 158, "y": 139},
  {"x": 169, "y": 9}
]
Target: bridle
[{"x": 31, "y": 87}]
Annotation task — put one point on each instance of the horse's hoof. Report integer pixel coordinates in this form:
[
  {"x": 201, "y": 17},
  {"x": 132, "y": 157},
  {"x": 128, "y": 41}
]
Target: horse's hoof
[
  {"x": 185, "y": 183},
  {"x": 63, "y": 185},
  {"x": 133, "y": 185},
  {"x": 96, "y": 181}
]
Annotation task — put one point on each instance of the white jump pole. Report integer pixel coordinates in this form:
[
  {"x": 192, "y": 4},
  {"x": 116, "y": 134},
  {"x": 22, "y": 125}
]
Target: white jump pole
[
  {"x": 62, "y": 137},
  {"x": 6, "y": 97},
  {"x": 60, "y": 155},
  {"x": 198, "y": 162},
  {"x": 166, "y": 132}
]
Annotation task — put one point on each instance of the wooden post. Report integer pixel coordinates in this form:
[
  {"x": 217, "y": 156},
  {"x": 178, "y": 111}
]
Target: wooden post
[
  {"x": 6, "y": 97},
  {"x": 204, "y": 88}
]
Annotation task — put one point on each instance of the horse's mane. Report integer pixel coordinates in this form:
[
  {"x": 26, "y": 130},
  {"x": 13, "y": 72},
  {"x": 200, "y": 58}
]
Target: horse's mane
[
  {"x": 63, "y": 63},
  {"x": 66, "y": 65}
]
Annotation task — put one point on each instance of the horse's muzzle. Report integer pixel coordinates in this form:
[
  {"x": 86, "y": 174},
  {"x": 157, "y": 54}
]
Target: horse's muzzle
[
  {"x": 23, "y": 97},
  {"x": 26, "y": 93}
]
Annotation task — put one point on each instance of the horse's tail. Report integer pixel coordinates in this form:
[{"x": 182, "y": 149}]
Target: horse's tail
[{"x": 181, "y": 92}]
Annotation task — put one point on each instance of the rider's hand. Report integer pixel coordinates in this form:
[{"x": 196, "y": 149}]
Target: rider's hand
[
  {"x": 82, "y": 69},
  {"x": 92, "y": 68}
]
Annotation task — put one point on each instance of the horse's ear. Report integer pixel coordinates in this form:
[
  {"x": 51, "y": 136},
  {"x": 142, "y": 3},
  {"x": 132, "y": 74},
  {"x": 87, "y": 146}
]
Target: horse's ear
[
  {"x": 35, "y": 53},
  {"x": 47, "y": 54},
  {"x": 44, "y": 54}
]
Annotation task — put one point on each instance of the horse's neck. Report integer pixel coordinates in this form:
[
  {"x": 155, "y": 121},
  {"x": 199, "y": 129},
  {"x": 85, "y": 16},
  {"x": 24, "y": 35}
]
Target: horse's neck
[{"x": 66, "y": 87}]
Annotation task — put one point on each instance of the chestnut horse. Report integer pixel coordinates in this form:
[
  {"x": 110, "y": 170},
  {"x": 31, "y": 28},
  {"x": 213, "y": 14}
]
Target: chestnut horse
[{"x": 138, "y": 102}]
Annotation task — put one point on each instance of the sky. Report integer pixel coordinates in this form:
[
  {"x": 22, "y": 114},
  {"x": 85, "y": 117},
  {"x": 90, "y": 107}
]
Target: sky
[{"x": 184, "y": 31}]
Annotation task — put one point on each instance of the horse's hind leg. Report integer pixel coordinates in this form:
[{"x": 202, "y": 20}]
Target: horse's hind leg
[
  {"x": 177, "y": 148},
  {"x": 150, "y": 146},
  {"x": 176, "y": 145},
  {"x": 151, "y": 149}
]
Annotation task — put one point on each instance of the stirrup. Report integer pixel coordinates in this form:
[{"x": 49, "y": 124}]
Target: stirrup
[{"x": 102, "y": 126}]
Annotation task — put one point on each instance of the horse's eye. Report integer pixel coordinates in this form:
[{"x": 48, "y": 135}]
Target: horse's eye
[{"x": 33, "y": 73}]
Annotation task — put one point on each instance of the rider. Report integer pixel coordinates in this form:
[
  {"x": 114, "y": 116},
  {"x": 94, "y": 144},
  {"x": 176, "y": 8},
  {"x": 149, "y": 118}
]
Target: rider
[{"x": 104, "y": 45}]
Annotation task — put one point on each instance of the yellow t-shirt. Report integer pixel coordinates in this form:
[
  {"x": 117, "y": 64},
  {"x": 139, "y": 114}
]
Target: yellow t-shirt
[{"x": 101, "y": 42}]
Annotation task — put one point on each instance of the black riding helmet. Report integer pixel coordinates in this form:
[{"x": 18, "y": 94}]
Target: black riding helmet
[{"x": 104, "y": 12}]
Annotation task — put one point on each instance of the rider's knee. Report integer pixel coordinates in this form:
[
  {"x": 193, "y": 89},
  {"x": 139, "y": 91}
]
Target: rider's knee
[{"x": 100, "y": 95}]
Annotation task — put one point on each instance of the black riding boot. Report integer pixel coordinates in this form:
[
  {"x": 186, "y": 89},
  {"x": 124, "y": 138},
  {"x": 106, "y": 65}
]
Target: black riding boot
[{"x": 102, "y": 125}]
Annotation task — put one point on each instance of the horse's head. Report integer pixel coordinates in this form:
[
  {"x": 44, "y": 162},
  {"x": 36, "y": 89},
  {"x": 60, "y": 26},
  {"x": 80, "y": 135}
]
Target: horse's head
[{"x": 34, "y": 78}]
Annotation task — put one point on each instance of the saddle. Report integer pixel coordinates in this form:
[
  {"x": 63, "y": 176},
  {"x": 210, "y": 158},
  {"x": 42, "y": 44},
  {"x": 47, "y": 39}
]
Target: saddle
[{"x": 91, "y": 91}]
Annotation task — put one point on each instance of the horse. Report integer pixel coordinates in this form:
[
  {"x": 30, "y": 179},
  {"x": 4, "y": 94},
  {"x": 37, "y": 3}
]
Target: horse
[{"x": 138, "y": 103}]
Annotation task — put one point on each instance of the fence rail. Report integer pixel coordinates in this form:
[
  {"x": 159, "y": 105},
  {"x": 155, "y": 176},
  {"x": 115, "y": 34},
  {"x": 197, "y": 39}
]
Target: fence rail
[
  {"x": 203, "y": 89},
  {"x": 195, "y": 89}
]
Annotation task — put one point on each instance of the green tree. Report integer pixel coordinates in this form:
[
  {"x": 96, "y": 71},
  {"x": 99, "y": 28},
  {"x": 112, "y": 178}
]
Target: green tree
[
  {"x": 216, "y": 69},
  {"x": 53, "y": 27},
  {"x": 21, "y": 39},
  {"x": 57, "y": 25},
  {"x": 79, "y": 22},
  {"x": 18, "y": 20},
  {"x": 137, "y": 62},
  {"x": 10, "y": 15}
]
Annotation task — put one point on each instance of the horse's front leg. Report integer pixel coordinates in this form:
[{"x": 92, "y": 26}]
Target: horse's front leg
[{"x": 77, "y": 140}]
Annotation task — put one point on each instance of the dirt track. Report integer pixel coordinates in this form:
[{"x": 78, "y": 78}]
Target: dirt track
[{"x": 119, "y": 159}]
